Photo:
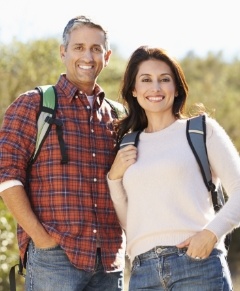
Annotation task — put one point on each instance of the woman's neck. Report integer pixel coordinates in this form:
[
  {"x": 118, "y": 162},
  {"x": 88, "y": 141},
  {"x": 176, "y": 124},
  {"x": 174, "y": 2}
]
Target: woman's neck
[{"x": 159, "y": 124}]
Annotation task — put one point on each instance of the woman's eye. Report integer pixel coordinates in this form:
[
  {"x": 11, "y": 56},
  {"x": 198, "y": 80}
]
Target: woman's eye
[
  {"x": 146, "y": 80},
  {"x": 165, "y": 80}
]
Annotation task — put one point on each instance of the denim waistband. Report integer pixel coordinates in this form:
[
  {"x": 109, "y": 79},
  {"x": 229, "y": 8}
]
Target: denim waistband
[{"x": 160, "y": 251}]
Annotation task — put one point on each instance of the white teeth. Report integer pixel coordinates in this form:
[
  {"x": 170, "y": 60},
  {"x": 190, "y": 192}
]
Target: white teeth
[
  {"x": 85, "y": 67},
  {"x": 155, "y": 98}
]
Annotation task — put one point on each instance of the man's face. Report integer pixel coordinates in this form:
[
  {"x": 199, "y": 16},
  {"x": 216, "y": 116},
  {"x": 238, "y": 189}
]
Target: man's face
[{"x": 85, "y": 56}]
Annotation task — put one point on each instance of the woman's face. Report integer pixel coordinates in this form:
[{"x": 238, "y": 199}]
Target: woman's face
[{"x": 155, "y": 87}]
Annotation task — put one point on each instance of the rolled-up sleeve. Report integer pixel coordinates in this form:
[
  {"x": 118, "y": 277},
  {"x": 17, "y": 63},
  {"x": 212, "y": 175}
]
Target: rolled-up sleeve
[{"x": 17, "y": 137}]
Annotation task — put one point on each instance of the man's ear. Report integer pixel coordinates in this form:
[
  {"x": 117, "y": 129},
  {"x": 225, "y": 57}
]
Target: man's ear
[
  {"x": 62, "y": 52},
  {"x": 107, "y": 57}
]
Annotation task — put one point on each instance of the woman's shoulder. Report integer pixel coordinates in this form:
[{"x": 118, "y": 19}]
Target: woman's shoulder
[
  {"x": 214, "y": 129},
  {"x": 213, "y": 124}
]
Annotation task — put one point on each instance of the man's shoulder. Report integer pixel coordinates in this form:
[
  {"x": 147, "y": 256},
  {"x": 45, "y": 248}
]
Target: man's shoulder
[
  {"x": 118, "y": 107},
  {"x": 28, "y": 100},
  {"x": 29, "y": 94}
]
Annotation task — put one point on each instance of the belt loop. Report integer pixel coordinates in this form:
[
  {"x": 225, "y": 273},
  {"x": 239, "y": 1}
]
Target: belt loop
[
  {"x": 98, "y": 256},
  {"x": 137, "y": 261},
  {"x": 181, "y": 251}
]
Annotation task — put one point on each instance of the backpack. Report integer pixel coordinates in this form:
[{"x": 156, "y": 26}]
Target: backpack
[
  {"x": 46, "y": 118},
  {"x": 196, "y": 136}
]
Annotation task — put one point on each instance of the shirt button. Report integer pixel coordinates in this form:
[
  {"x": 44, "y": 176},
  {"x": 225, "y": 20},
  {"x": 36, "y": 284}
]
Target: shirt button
[
  {"x": 94, "y": 230},
  {"x": 88, "y": 107},
  {"x": 158, "y": 250},
  {"x": 95, "y": 179},
  {"x": 93, "y": 154},
  {"x": 92, "y": 130},
  {"x": 95, "y": 205}
]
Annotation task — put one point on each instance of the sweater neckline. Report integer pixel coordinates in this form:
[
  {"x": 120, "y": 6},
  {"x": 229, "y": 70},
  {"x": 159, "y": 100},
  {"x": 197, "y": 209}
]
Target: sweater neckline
[{"x": 170, "y": 127}]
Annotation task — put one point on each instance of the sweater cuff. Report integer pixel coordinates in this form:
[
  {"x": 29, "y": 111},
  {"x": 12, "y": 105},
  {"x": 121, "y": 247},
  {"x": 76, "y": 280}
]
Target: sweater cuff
[{"x": 116, "y": 189}]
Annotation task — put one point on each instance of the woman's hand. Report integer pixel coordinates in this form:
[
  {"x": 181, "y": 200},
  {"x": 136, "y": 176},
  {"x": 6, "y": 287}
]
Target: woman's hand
[
  {"x": 199, "y": 245},
  {"x": 125, "y": 158}
]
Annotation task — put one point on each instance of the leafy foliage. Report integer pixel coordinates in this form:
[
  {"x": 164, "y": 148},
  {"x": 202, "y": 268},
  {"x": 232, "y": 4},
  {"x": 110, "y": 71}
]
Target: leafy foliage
[{"x": 23, "y": 66}]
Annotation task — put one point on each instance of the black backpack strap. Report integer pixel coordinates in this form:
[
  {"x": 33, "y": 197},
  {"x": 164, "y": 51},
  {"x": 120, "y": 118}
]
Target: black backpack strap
[
  {"x": 59, "y": 130},
  {"x": 196, "y": 136},
  {"x": 131, "y": 138},
  {"x": 12, "y": 277}
]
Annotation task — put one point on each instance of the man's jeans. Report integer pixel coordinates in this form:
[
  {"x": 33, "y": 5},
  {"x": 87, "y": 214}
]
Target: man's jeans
[
  {"x": 50, "y": 270},
  {"x": 170, "y": 268}
]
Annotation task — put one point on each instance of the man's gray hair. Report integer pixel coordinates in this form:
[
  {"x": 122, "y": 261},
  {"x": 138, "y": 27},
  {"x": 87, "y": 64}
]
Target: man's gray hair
[{"x": 81, "y": 21}]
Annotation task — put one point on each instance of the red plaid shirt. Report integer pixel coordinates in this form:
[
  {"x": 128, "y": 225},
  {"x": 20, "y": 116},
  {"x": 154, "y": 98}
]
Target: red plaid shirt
[{"x": 72, "y": 201}]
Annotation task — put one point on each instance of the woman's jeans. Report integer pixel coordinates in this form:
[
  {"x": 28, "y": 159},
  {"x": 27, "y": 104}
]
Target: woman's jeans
[
  {"x": 170, "y": 268},
  {"x": 51, "y": 270}
]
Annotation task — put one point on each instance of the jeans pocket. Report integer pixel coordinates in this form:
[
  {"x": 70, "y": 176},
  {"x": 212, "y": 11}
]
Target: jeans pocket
[
  {"x": 47, "y": 249},
  {"x": 194, "y": 259}
]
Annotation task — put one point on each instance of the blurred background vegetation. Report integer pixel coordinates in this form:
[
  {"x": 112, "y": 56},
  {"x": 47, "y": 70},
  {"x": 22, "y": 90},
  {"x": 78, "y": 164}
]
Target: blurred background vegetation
[{"x": 213, "y": 81}]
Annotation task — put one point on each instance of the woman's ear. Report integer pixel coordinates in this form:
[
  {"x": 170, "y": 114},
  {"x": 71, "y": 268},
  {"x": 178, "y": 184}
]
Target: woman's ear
[{"x": 134, "y": 93}]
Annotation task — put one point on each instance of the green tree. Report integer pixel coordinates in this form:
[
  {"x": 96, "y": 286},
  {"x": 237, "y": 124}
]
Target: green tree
[{"x": 23, "y": 66}]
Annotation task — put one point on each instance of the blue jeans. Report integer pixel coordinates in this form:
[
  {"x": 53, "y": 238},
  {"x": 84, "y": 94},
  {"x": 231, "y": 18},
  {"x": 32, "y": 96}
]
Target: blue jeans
[
  {"x": 51, "y": 270},
  {"x": 170, "y": 268}
]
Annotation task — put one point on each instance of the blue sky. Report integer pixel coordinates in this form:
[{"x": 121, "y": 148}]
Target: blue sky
[{"x": 179, "y": 26}]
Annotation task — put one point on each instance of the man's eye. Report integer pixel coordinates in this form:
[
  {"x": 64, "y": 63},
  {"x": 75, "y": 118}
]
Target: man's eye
[{"x": 97, "y": 49}]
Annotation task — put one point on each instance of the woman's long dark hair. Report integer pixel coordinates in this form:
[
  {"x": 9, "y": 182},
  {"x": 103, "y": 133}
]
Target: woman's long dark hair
[{"x": 136, "y": 119}]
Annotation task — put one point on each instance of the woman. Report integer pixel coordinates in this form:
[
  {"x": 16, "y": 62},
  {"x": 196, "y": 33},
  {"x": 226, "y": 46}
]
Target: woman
[{"x": 175, "y": 240}]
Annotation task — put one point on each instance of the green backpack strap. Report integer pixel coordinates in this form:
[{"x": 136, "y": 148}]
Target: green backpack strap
[
  {"x": 48, "y": 106},
  {"x": 46, "y": 118},
  {"x": 118, "y": 108}
]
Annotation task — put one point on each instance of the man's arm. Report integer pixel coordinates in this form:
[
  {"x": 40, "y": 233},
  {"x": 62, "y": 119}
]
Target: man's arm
[{"x": 16, "y": 200}]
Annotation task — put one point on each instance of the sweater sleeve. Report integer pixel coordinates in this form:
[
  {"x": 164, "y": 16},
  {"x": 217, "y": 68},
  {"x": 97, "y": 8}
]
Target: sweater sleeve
[
  {"x": 119, "y": 199},
  {"x": 225, "y": 165}
]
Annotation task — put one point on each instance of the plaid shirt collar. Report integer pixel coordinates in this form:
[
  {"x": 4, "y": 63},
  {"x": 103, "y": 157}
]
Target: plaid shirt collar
[{"x": 71, "y": 90}]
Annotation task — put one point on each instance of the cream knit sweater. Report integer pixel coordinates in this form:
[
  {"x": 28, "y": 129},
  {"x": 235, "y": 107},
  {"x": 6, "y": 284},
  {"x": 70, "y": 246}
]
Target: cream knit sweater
[{"x": 162, "y": 200}]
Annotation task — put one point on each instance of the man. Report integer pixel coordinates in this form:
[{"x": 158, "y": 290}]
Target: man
[{"x": 68, "y": 232}]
